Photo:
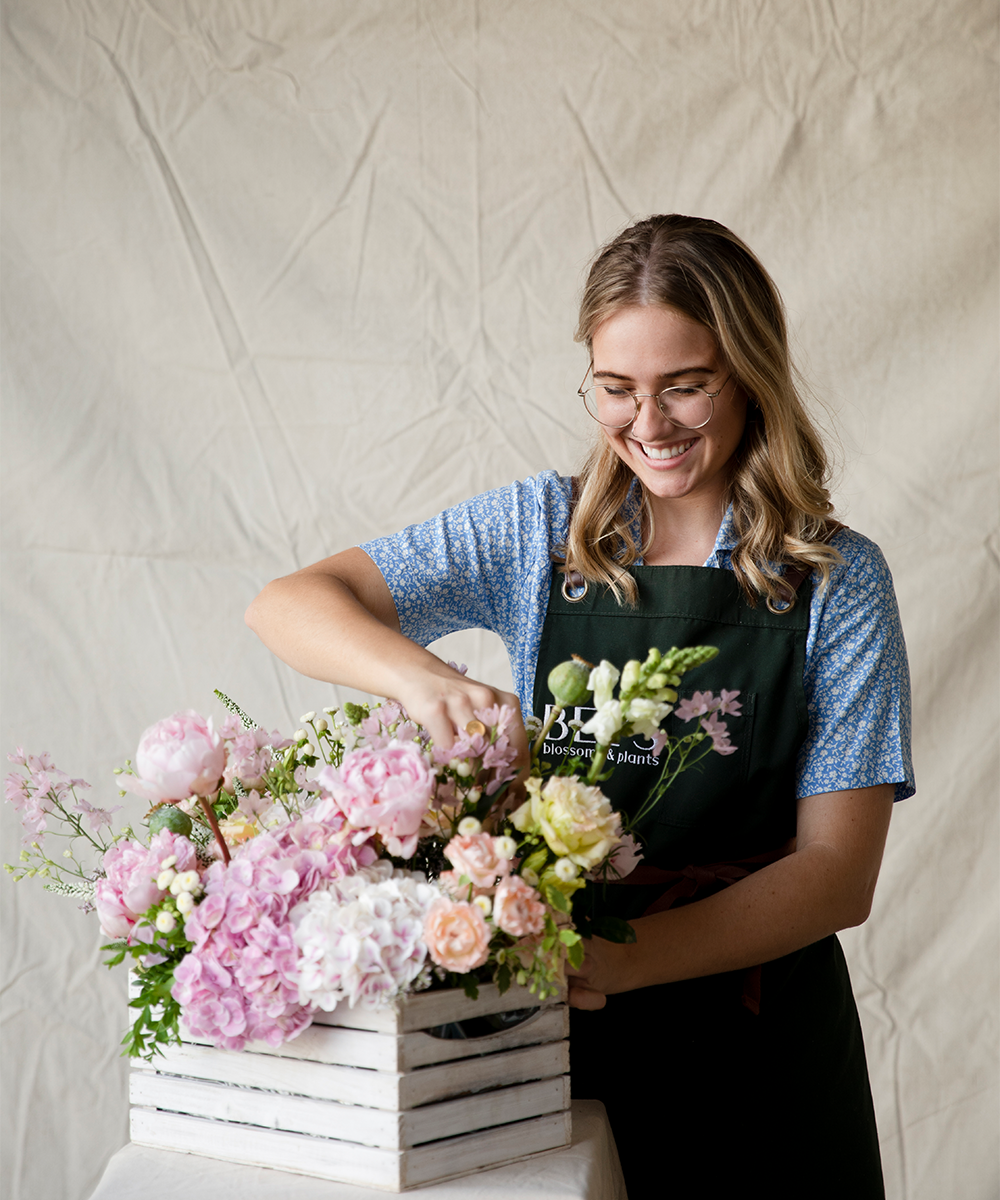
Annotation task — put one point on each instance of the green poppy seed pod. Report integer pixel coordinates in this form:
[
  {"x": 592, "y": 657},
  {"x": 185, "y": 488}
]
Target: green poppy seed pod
[
  {"x": 168, "y": 816},
  {"x": 568, "y": 682}
]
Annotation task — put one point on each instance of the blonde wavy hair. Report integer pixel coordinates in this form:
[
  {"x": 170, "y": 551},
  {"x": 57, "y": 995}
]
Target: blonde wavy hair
[{"x": 778, "y": 482}]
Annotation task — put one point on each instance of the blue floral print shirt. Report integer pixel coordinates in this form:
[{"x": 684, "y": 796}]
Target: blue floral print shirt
[{"x": 486, "y": 564}]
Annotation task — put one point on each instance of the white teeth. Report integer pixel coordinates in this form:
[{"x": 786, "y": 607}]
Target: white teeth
[{"x": 667, "y": 452}]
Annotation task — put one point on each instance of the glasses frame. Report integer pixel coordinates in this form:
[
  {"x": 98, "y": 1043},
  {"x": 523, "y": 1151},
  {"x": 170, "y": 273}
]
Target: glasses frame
[{"x": 637, "y": 396}]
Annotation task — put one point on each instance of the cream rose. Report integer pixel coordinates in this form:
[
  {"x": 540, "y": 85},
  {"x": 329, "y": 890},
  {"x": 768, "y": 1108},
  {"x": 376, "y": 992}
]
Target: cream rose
[{"x": 576, "y": 820}]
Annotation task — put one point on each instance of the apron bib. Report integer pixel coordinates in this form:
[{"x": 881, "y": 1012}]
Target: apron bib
[{"x": 699, "y": 1089}]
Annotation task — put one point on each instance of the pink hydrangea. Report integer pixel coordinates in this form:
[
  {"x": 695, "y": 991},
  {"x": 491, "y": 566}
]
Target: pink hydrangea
[
  {"x": 385, "y": 790},
  {"x": 129, "y": 887},
  {"x": 178, "y": 757},
  {"x": 240, "y": 982},
  {"x": 476, "y": 856},
  {"x": 518, "y": 908}
]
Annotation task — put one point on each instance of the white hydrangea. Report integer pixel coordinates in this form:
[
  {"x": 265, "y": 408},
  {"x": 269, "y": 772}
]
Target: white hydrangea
[{"x": 361, "y": 939}]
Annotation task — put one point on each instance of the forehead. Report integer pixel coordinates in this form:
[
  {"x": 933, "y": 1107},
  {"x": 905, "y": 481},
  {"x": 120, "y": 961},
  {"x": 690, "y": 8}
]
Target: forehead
[{"x": 652, "y": 338}]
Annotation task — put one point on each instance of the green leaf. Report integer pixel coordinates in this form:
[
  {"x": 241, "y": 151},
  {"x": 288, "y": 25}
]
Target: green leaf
[
  {"x": 502, "y": 978},
  {"x": 576, "y": 954},
  {"x": 471, "y": 985},
  {"x": 536, "y": 862},
  {"x": 556, "y": 899},
  {"x": 569, "y": 937}
]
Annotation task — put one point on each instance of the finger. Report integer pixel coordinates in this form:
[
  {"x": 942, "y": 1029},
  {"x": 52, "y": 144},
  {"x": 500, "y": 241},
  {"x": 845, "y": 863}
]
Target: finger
[{"x": 585, "y": 998}]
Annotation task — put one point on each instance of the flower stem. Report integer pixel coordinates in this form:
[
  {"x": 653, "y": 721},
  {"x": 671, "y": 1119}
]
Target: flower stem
[
  {"x": 209, "y": 812},
  {"x": 554, "y": 715}
]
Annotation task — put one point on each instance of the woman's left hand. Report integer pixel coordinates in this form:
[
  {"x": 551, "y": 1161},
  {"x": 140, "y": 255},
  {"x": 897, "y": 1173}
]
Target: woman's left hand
[{"x": 602, "y": 972}]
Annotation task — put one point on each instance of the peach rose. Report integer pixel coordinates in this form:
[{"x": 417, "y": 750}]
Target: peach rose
[
  {"x": 457, "y": 936},
  {"x": 518, "y": 908},
  {"x": 476, "y": 856}
]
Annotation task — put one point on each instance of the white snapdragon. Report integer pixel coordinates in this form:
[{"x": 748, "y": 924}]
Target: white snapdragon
[
  {"x": 602, "y": 682},
  {"x": 646, "y": 715},
  {"x": 606, "y": 722}
]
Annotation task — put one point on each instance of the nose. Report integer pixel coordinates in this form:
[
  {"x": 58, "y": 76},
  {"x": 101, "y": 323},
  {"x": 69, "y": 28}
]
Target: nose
[{"x": 649, "y": 420}]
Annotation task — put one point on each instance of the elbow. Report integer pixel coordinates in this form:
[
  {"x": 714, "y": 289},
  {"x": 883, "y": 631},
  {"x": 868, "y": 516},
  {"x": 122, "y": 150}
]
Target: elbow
[
  {"x": 857, "y": 908},
  {"x": 260, "y": 608}
]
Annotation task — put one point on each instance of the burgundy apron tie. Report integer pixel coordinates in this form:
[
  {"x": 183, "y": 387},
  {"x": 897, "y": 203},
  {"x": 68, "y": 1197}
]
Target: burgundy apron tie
[{"x": 682, "y": 886}]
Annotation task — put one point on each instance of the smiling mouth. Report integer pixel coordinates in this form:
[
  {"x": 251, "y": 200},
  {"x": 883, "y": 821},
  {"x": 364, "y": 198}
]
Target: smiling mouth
[{"x": 667, "y": 452}]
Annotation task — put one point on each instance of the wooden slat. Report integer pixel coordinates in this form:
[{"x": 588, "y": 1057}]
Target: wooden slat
[
  {"x": 419, "y": 1049},
  {"x": 270, "y": 1110},
  {"x": 480, "y": 1074},
  {"x": 345, "y": 1161},
  {"x": 374, "y": 1089},
  {"x": 485, "y": 1111},
  {"x": 348, "y": 1122},
  {"x": 424, "y": 1010},
  {"x": 478, "y": 1151}
]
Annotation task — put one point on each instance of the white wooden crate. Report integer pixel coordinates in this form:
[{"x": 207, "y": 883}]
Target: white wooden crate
[{"x": 370, "y": 1097}]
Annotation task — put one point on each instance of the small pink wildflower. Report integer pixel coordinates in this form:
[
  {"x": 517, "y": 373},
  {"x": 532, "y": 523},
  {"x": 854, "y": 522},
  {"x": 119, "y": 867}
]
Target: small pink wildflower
[{"x": 719, "y": 733}]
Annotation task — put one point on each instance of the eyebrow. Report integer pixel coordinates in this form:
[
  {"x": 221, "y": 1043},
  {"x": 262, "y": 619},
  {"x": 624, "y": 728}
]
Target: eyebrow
[{"x": 663, "y": 375}]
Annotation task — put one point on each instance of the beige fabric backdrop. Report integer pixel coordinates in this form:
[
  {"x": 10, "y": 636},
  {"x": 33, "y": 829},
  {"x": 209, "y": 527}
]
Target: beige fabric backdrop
[{"x": 283, "y": 276}]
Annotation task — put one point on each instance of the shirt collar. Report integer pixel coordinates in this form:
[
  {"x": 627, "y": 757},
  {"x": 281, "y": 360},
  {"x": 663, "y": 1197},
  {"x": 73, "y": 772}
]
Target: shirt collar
[{"x": 725, "y": 542}]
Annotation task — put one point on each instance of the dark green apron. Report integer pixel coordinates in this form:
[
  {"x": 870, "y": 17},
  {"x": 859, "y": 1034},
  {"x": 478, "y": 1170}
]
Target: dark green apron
[{"x": 700, "y": 1090}]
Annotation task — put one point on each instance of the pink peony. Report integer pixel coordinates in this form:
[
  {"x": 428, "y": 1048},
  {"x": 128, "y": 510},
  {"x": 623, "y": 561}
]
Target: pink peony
[
  {"x": 457, "y": 936},
  {"x": 178, "y": 757},
  {"x": 129, "y": 886},
  {"x": 476, "y": 857},
  {"x": 518, "y": 908},
  {"x": 385, "y": 791}
]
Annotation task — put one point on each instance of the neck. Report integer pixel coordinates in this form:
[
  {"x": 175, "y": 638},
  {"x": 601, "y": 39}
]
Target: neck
[{"x": 684, "y": 531}]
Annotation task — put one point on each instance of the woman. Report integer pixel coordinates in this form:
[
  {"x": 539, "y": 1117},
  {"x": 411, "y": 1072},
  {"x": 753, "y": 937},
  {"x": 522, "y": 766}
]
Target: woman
[{"x": 700, "y": 516}]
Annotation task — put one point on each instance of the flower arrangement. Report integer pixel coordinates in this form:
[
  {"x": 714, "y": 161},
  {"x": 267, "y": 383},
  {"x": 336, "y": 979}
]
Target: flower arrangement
[{"x": 355, "y": 861}]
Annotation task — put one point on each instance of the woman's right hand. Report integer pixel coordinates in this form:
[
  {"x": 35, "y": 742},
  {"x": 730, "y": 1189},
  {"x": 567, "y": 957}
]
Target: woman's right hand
[{"x": 337, "y": 621}]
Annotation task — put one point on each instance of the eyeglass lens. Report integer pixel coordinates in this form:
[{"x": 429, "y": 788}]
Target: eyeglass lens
[{"x": 616, "y": 408}]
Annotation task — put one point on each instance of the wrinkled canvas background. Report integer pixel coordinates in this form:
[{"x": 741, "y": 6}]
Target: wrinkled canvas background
[{"x": 280, "y": 277}]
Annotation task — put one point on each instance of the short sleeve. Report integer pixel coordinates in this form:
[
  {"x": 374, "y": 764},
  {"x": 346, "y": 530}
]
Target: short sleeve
[
  {"x": 857, "y": 680},
  {"x": 484, "y": 564}
]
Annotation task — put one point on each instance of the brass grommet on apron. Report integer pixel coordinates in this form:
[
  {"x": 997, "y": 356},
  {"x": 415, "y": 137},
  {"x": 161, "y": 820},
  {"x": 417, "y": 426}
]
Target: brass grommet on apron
[{"x": 575, "y": 580}]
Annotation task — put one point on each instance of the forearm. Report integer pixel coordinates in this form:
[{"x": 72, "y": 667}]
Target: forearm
[
  {"x": 319, "y": 626},
  {"x": 825, "y": 885},
  {"x": 337, "y": 622},
  {"x": 783, "y": 907}
]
